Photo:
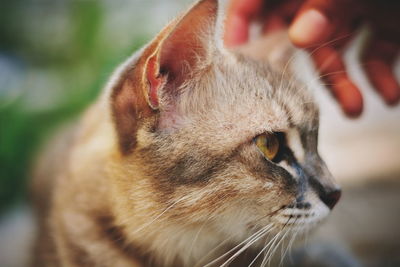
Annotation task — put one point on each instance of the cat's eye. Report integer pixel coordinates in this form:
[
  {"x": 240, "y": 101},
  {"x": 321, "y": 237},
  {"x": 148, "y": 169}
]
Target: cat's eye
[{"x": 268, "y": 144}]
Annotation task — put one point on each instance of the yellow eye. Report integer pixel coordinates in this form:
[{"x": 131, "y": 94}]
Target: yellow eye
[{"x": 268, "y": 145}]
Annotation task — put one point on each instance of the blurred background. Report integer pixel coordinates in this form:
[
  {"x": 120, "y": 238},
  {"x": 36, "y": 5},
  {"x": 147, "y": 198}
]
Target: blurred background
[{"x": 55, "y": 56}]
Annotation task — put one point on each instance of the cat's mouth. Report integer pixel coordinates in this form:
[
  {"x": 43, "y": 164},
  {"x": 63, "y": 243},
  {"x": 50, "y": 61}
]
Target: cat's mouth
[
  {"x": 301, "y": 216},
  {"x": 298, "y": 216}
]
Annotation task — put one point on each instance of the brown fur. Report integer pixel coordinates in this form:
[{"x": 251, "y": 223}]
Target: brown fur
[{"x": 162, "y": 168}]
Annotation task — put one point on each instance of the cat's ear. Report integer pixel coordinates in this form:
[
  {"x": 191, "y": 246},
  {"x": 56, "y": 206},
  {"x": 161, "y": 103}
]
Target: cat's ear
[
  {"x": 182, "y": 51},
  {"x": 161, "y": 68}
]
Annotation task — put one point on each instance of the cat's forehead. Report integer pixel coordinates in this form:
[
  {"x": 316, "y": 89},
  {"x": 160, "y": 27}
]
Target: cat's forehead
[
  {"x": 240, "y": 88},
  {"x": 238, "y": 98}
]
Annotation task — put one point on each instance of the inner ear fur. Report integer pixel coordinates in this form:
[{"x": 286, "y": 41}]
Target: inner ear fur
[{"x": 163, "y": 65}]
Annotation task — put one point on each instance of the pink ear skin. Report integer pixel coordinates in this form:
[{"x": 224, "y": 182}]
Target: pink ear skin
[
  {"x": 179, "y": 53},
  {"x": 156, "y": 81},
  {"x": 167, "y": 62}
]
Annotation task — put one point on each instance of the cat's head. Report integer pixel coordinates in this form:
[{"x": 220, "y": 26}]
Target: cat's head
[{"x": 208, "y": 137}]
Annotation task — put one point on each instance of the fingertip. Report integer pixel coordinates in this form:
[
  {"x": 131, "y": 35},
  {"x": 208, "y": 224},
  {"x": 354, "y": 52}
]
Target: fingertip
[
  {"x": 349, "y": 97},
  {"x": 387, "y": 85},
  {"x": 309, "y": 28},
  {"x": 236, "y": 31},
  {"x": 392, "y": 98},
  {"x": 382, "y": 78},
  {"x": 239, "y": 16},
  {"x": 353, "y": 108}
]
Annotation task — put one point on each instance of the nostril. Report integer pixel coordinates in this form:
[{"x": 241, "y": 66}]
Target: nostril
[{"x": 331, "y": 198}]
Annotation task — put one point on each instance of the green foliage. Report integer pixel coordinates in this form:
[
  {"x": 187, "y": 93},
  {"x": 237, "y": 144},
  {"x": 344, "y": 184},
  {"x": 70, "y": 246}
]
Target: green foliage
[{"x": 80, "y": 65}]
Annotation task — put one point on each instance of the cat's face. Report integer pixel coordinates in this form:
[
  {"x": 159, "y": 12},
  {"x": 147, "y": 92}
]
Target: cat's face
[
  {"x": 240, "y": 153},
  {"x": 221, "y": 141}
]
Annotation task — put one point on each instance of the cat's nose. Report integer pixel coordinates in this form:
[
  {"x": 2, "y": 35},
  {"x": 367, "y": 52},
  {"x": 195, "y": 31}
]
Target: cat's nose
[{"x": 331, "y": 198}]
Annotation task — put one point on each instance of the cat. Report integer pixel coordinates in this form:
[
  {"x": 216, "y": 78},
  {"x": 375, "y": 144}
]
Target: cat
[{"x": 194, "y": 155}]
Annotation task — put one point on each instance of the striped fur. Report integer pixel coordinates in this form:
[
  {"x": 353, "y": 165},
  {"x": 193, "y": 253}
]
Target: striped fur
[{"x": 182, "y": 183}]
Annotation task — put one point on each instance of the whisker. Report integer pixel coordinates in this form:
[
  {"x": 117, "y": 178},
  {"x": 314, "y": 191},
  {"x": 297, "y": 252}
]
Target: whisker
[
  {"x": 273, "y": 240},
  {"x": 318, "y": 78},
  {"x": 158, "y": 216},
  {"x": 276, "y": 247},
  {"x": 197, "y": 236},
  {"x": 310, "y": 53},
  {"x": 289, "y": 251},
  {"x": 226, "y": 253},
  {"x": 250, "y": 240},
  {"x": 212, "y": 250},
  {"x": 245, "y": 247},
  {"x": 266, "y": 255},
  {"x": 261, "y": 251},
  {"x": 289, "y": 244},
  {"x": 281, "y": 241}
]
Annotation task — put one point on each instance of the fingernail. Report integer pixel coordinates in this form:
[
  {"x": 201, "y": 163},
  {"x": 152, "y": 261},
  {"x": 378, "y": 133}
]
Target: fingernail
[{"x": 309, "y": 28}]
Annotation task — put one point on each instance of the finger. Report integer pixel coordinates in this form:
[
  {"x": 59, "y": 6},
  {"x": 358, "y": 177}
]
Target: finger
[
  {"x": 379, "y": 60},
  {"x": 273, "y": 23},
  {"x": 333, "y": 72},
  {"x": 316, "y": 21},
  {"x": 279, "y": 16},
  {"x": 239, "y": 16}
]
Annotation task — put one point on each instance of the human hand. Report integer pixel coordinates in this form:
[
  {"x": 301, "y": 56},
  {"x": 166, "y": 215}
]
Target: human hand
[{"x": 324, "y": 27}]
